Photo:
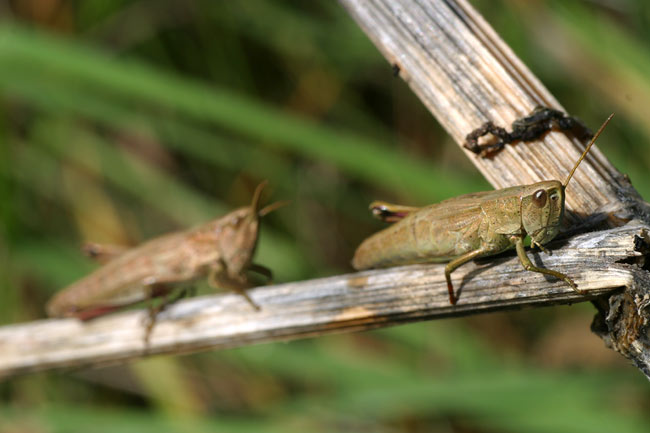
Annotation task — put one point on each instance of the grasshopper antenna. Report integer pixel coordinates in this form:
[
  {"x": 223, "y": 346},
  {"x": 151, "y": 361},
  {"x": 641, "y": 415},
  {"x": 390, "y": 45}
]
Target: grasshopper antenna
[
  {"x": 566, "y": 182},
  {"x": 273, "y": 206},
  {"x": 255, "y": 203}
]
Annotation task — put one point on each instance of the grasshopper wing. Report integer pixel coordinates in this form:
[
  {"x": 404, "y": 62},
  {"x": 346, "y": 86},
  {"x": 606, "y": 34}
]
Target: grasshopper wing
[
  {"x": 134, "y": 276},
  {"x": 435, "y": 233}
]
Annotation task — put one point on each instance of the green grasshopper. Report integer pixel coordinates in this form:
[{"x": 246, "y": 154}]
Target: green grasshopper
[
  {"x": 221, "y": 250},
  {"x": 474, "y": 225}
]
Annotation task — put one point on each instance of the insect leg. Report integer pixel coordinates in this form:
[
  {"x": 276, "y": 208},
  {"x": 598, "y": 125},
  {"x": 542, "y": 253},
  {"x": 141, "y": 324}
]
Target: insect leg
[
  {"x": 389, "y": 212},
  {"x": 451, "y": 266},
  {"x": 102, "y": 253},
  {"x": 219, "y": 278},
  {"x": 242, "y": 291},
  {"x": 540, "y": 246},
  {"x": 152, "y": 314},
  {"x": 262, "y": 270},
  {"x": 528, "y": 265},
  {"x": 163, "y": 291}
]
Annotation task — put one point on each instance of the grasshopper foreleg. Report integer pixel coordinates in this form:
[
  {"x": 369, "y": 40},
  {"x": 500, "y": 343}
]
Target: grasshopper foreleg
[
  {"x": 540, "y": 246},
  {"x": 262, "y": 270},
  {"x": 451, "y": 266},
  {"x": 220, "y": 278},
  {"x": 528, "y": 265}
]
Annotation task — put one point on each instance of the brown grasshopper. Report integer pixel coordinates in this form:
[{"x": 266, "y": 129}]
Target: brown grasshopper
[
  {"x": 221, "y": 249},
  {"x": 474, "y": 225}
]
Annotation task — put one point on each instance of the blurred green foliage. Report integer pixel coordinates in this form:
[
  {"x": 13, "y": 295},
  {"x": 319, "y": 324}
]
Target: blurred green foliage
[{"x": 121, "y": 120}]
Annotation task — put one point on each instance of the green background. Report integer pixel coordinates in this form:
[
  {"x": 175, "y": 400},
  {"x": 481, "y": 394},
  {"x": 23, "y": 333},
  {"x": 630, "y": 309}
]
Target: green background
[{"x": 122, "y": 120}]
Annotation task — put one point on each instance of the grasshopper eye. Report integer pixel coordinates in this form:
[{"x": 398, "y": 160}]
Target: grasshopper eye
[
  {"x": 539, "y": 198},
  {"x": 555, "y": 196}
]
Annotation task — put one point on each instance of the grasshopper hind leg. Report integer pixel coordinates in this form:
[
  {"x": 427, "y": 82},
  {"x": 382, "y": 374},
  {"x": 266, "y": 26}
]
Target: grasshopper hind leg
[
  {"x": 389, "y": 212},
  {"x": 102, "y": 253},
  {"x": 164, "y": 292}
]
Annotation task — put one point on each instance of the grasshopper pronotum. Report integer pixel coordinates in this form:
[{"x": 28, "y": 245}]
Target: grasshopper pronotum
[
  {"x": 221, "y": 249},
  {"x": 474, "y": 225}
]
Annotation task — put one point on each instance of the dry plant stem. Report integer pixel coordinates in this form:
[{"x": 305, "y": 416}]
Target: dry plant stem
[{"x": 351, "y": 302}]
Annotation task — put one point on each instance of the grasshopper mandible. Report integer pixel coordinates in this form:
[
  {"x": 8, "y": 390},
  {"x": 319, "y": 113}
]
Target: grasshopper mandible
[
  {"x": 474, "y": 225},
  {"x": 221, "y": 249}
]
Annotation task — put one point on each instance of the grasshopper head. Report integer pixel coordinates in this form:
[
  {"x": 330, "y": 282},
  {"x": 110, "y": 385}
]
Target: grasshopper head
[
  {"x": 242, "y": 239},
  {"x": 542, "y": 208}
]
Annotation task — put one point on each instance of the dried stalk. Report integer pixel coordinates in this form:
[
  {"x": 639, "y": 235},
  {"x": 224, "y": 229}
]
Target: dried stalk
[
  {"x": 351, "y": 302},
  {"x": 466, "y": 75}
]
